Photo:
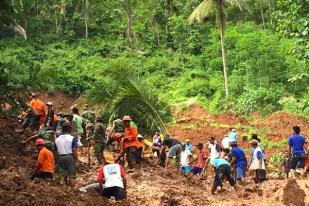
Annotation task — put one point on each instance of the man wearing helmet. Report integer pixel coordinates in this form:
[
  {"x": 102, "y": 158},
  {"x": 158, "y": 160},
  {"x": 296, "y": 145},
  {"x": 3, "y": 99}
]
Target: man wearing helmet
[
  {"x": 131, "y": 144},
  {"x": 45, "y": 164}
]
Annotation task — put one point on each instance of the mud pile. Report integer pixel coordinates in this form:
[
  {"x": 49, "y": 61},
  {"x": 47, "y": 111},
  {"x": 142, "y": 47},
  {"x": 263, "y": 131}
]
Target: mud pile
[
  {"x": 17, "y": 163},
  {"x": 280, "y": 124}
]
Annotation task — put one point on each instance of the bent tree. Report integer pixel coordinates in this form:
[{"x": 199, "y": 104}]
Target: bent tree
[{"x": 217, "y": 8}]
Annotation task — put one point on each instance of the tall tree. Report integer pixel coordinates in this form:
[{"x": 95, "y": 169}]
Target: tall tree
[
  {"x": 217, "y": 7},
  {"x": 128, "y": 8}
]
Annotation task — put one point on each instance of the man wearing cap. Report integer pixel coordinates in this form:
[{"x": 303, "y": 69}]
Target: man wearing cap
[
  {"x": 131, "y": 144},
  {"x": 188, "y": 145},
  {"x": 111, "y": 178},
  {"x": 45, "y": 164},
  {"x": 202, "y": 160}
]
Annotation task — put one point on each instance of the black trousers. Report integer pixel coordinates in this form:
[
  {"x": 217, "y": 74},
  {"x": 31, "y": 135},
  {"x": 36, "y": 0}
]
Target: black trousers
[
  {"x": 134, "y": 155},
  {"x": 116, "y": 192},
  {"x": 223, "y": 171},
  {"x": 44, "y": 175}
]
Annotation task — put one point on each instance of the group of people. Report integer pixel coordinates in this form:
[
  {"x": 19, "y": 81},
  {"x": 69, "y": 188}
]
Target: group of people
[
  {"x": 229, "y": 160},
  {"x": 60, "y": 139}
]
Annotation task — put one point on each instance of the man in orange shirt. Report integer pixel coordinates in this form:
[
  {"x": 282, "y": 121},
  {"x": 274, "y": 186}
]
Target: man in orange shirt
[
  {"x": 132, "y": 146},
  {"x": 39, "y": 110},
  {"x": 45, "y": 165}
]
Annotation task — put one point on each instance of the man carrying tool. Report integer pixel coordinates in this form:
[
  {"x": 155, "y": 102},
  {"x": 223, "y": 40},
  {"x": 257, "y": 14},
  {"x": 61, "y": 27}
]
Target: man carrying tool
[
  {"x": 202, "y": 160},
  {"x": 133, "y": 147},
  {"x": 45, "y": 164}
]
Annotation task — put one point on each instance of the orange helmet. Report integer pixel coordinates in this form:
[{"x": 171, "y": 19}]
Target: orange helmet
[
  {"x": 127, "y": 118},
  {"x": 39, "y": 142},
  {"x": 117, "y": 136}
]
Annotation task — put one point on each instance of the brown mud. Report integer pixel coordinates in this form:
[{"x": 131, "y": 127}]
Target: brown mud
[{"x": 149, "y": 186}]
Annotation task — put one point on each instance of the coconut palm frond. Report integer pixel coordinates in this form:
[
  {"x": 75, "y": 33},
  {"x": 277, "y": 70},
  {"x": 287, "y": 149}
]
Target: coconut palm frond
[
  {"x": 241, "y": 4},
  {"x": 143, "y": 104},
  {"x": 202, "y": 11}
]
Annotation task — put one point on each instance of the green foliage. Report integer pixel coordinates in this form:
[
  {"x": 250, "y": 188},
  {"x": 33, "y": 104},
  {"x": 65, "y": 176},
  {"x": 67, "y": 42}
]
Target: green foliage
[{"x": 268, "y": 68}]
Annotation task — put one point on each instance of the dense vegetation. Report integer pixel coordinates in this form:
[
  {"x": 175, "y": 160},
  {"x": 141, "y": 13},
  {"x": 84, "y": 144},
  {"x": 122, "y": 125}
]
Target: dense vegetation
[{"x": 73, "y": 45}]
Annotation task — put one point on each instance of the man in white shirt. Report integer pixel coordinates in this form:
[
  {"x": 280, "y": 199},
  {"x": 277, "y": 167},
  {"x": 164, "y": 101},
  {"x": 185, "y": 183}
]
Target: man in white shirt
[
  {"x": 111, "y": 178},
  {"x": 214, "y": 148},
  {"x": 66, "y": 146},
  {"x": 225, "y": 142},
  {"x": 184, "y": 160}
]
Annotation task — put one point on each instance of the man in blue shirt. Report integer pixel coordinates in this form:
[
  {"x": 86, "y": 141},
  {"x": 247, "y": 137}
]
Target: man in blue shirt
[
  {"x": 223, "y": 169},
  {"x": 297, "y": 150},
  {"x": 239, "y": 160}
]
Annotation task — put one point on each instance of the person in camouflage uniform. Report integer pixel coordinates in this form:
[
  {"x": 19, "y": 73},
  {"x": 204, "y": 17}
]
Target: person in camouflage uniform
[
  {"x": 117, "y": 125},
  {"x": 88, "y": 114},
  {"x": 88, "y": 124},
  {"x": 99, "y": 139},
  {"x": 47, "y": 134}
]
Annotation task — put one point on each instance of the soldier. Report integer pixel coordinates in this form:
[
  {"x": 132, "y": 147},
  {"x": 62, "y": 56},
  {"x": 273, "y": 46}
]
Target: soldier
[
  {"x": 117, "y": 125},
  {"x": 99, "y": 139},
  {"x": 45, "y": 133},
  {"x": 88, "y": 114}
]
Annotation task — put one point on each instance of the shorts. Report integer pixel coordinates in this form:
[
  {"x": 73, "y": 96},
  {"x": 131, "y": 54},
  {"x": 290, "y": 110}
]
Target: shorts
[
  {"x": 117, "y": 192},
  {"x": 66, "y": 165},
  {"x": 196, "y": 170},
  {"x": 185, "y": 169},
  {"x": 241, "y": 171},
  {"x": 297, "y": 161},
  {"x": 175, "y": 151}
]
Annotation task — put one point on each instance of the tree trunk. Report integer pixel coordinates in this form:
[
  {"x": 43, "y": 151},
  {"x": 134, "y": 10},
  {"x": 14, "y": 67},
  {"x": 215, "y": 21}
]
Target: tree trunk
[
  {"x": 86, "y": 18},
  {"x": 262, "y": 14},
  {"x": 221, "y": 22},
  {"x": 270, "y": 12},
  {"x": 129, "y": 30},
  {"x": 224, "y": 62}
]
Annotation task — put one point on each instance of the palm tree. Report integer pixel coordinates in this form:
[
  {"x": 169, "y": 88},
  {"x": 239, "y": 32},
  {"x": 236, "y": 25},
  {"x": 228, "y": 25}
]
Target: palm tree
[
  {"x": 130, "y": 95},
  {"x": 216, "y": 7}
]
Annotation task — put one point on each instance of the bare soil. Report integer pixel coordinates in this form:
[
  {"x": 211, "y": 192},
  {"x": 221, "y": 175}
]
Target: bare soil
[{"x": 151, "y": 185}]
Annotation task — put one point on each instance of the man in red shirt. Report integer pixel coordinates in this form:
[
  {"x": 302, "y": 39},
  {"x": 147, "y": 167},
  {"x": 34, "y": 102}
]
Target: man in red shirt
[
  {"x": 202, "y": 159},
  {"x": 111, "y": 178}
]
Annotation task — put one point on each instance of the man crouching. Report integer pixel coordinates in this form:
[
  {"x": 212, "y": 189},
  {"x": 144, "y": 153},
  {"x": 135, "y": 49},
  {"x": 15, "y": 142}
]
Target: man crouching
[{"x": 111, "y": 178}]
